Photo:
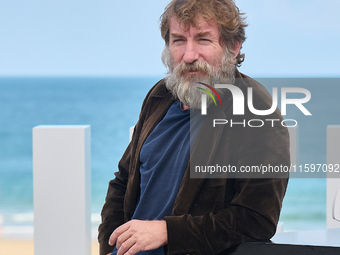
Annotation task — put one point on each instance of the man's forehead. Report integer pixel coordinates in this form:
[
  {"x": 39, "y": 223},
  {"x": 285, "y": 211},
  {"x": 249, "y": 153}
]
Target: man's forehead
[{"x": 201, "y": 24}]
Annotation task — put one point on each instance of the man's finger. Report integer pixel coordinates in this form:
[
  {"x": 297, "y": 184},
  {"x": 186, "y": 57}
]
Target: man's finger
[
  {"x": 128, "y": 245},
  {"x": 118, "y": 232},
  {"x": 122, "y": 238}
]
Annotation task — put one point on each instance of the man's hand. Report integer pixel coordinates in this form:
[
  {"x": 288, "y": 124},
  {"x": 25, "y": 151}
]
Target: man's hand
[{"x": 138, "y": 235}]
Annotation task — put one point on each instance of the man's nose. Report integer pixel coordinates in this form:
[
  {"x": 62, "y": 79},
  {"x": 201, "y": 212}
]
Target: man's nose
[{"x": 191, "y": 54}]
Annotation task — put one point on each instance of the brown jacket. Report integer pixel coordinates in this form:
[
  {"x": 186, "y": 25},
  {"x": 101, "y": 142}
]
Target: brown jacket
[{"x": 209, "y": 215}]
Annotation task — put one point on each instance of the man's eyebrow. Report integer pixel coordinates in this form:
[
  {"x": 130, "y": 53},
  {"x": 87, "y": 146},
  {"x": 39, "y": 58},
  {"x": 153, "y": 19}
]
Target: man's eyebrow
[
  {"x": 203, "y": 34},
  {"x": 176, "y": 35}
]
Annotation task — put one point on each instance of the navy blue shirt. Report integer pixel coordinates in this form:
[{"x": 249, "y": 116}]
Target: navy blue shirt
[{"x": 164, "y": 158}]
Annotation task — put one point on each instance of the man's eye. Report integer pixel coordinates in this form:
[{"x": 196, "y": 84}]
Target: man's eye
[
  {"x": 205, "y": 40},
  {"x": 178, "y": 40}
]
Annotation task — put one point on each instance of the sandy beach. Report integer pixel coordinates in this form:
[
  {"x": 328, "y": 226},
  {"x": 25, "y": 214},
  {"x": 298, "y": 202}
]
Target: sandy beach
[{"x": 18, "y": 247}]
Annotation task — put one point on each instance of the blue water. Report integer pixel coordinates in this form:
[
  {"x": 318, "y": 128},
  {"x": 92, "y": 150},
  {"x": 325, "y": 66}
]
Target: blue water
[{"x": 111, "y": 106}]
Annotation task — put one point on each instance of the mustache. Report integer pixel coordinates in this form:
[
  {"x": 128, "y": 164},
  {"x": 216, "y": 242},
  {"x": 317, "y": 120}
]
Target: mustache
[{"x": 196, "y": 66}]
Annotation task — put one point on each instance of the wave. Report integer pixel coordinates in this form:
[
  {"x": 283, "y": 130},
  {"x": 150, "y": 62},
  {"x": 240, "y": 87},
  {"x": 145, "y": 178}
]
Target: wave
[
  {"x": 21, "y": 225},
  {"x": 27, "y": 232},
  {"x": 28, "y": 219}
]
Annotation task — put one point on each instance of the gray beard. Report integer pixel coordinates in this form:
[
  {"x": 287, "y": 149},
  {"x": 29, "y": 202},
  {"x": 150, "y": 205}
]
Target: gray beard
[{"x": 185, "y": 88}]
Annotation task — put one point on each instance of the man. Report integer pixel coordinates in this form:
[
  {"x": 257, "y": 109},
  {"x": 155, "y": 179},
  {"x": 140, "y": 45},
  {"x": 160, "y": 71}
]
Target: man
[{"x": 153, "y": 205}]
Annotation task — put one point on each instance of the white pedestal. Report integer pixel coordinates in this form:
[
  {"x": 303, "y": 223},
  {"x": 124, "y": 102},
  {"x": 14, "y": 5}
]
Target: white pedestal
[
  {"x": 333, "y": 184},
  {"x": 62, "y": 190},
  {"x": 294, "y": 145}
]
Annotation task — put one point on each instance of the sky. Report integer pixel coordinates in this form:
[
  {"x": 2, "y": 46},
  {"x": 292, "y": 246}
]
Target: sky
[{"x": 285, "y": 38}]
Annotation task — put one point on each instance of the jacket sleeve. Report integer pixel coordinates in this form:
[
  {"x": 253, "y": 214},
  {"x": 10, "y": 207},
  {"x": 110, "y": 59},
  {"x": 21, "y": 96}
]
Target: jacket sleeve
[
  {"x": 252, "y": 215},
  {"x": 113, "y": 209}
]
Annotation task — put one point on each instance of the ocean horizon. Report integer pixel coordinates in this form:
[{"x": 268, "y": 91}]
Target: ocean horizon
[{"x": 111, "y": 106}]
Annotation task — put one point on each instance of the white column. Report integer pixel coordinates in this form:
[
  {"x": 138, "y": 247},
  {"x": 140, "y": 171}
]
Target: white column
[
  {"x": 333, "y": 180},
  {"x": 131, "y": 132},
  {"x": 294, "y": 145},
  {"x": 62, "y": 190}
]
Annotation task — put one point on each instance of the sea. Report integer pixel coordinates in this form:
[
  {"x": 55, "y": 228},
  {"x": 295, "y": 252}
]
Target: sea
[{"x": 111, "y": 106}]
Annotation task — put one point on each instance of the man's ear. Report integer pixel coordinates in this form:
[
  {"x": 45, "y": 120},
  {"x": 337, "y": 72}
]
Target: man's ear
[{"x": 236, "y": 48}]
